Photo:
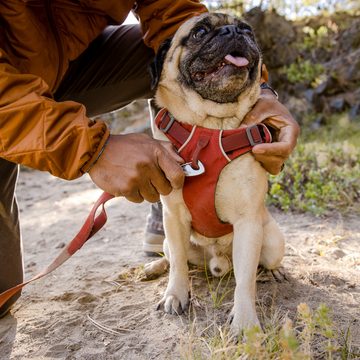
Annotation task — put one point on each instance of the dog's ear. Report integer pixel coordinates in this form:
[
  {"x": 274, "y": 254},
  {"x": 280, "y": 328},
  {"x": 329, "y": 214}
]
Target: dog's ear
[
  {"x": 264, "y": 73},
  {"x": 158, "y": 63}
]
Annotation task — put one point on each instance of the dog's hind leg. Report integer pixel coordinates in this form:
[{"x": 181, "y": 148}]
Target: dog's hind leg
[
  {"x": 273, "y": 248},
  {"x": 156, "y": 268}
]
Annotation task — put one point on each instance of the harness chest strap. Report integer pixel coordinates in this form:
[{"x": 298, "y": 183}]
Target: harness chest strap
[
  {"x": 215, "y": 149},
  {"x": 236, "y": 139}
]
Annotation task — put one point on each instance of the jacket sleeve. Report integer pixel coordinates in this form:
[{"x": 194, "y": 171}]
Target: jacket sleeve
[
  {"x": 161, "y": 18},
  {"x": 41, "y": 133}
]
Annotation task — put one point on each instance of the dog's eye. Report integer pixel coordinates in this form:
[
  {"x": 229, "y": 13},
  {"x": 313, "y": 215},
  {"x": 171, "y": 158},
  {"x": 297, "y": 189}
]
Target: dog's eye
[{"x": 199, "y": 32}]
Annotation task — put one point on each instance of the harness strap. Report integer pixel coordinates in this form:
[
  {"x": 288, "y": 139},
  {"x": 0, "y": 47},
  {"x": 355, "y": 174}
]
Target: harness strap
[
  {"x": 202, "y": 143},
  {"x": 250, "y": 136},
  {"x": 243, "y": 138},
  {"x": 168, "y": 125},
  {"x": 91, "y": 226}
]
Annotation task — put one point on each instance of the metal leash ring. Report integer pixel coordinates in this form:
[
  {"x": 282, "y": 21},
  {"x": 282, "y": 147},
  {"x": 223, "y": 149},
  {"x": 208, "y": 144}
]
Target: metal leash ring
[{"x": 190, "y": 171}]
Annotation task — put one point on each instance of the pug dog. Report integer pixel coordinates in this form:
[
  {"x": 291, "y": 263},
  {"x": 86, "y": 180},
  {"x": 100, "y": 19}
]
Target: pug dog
[{"x": 207, "y": 78}]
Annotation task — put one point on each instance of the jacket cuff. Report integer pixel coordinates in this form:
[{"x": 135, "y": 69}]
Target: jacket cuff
[{"x": 98, "y": 148}]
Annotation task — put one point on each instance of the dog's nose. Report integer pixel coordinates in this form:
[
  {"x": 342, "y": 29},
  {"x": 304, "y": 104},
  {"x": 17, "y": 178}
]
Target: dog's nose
[{"x": 229, "y": 30}]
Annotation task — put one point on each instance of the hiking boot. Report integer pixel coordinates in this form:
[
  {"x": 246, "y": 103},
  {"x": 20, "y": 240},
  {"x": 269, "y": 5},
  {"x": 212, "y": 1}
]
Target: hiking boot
[{"x": 154, "y": 231}]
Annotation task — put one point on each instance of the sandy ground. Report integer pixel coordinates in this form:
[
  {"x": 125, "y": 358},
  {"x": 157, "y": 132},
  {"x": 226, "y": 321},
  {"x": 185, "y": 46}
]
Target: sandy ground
[{"x": 54, "y": 319}]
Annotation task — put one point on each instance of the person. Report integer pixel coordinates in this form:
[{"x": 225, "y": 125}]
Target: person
[{"x": 62, "y": 62}]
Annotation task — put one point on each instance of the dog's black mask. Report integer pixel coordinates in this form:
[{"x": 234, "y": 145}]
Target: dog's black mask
[{"x": 223, "y": 59}]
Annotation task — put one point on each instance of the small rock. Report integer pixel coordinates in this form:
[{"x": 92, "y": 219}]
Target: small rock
[
  {"x": 319, "y": 103},
  {"x": 337, "y": 104},
  {"x": 314, "y": 251},
  {"x": 309, "y": 95},
  {"x": 337, "y": 254},
  {"x": 299, "y": 107},
  {"x": 41, "y": 243},
  {"x": 60, "y": 245},
  {"x": 318, "y": 122},
  {"x": 354, "y": 111},
  {"x": 322, "y": 87},
  {"x": 30, "y": 264}
]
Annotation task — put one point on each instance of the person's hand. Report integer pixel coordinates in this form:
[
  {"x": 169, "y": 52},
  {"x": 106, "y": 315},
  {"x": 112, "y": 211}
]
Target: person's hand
[
  {"x": 138, "y": 167},
  {"x": 271, "y": 112}
]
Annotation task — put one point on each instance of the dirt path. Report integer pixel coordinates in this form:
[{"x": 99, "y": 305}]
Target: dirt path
[{"x": 53, "y": 319}]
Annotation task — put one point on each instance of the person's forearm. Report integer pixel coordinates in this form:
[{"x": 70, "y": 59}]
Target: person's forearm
[{"x": 40, "y": 133}]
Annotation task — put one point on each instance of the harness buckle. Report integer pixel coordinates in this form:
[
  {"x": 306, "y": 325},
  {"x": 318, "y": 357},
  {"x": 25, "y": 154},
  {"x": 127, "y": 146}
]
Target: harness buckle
[
  {"x": 190, "y": 171},
  {"x": 168, "y": 125},
  {"x": 249, "y": 134}
]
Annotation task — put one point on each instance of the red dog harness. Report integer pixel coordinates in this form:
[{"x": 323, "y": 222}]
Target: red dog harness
[{"x": 214, "y": 149}]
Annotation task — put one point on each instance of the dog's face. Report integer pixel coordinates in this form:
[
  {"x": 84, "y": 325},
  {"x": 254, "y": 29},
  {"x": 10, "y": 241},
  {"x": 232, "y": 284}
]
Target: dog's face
[
  {"x": 221, "y": 58},
  {"x": 214, "y": 55}
]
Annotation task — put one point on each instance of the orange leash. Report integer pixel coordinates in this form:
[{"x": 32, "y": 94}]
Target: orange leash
[{"x": 91, "y": 226}]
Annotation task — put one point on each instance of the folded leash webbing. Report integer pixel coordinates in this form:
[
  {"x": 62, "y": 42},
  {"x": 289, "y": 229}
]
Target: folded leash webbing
[{"x": 91, "y": 226}]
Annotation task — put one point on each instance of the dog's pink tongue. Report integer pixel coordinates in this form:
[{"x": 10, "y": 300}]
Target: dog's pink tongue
[{"x": 237, "y": 61}]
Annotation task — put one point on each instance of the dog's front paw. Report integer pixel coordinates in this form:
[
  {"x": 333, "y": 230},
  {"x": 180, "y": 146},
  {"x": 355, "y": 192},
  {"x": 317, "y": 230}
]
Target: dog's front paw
[
  {"x": 174, "y": 304},
  {"x": 241, "y": 320}
]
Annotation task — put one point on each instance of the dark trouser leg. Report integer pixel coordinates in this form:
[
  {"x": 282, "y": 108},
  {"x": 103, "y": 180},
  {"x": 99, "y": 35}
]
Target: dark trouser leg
[
  {"x": 11, "y": 266},
  {"x": 111, "y": 73},
  {"x": 154, "y": 231}
]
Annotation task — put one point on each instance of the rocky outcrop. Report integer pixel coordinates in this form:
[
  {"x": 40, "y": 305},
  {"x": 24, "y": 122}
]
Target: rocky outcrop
[{"x": 337, "y": 53}]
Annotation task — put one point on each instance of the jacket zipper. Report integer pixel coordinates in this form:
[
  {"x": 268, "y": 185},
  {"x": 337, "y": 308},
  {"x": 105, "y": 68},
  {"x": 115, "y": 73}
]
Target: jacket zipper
[{"x": 51, "y": 20}]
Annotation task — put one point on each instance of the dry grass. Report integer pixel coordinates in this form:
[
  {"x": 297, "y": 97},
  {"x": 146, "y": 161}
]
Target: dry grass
[{"x": 311, "y": 334}]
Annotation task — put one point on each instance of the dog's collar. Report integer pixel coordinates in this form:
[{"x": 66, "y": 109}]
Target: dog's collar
[{"x": 237, "y": 139}]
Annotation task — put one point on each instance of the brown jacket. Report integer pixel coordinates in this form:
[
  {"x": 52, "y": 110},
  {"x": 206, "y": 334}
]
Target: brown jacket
[{"x": 38, "y": 39}]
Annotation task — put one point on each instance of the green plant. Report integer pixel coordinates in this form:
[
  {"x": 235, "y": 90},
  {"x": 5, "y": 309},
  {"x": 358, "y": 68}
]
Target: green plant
[
  {"x": 321, "y": 37},
  {"x": 323, "y": 173},
  {"x": 312, "y": 335},
  {"x": 316, "y": 326},
  {"x": 218, "y": 287},
  {"x": 304, "y": 72}
]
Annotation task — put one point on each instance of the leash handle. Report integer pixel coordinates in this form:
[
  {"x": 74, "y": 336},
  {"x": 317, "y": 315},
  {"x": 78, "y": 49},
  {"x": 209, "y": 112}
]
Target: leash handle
[{"x": 91, "y": 226}]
